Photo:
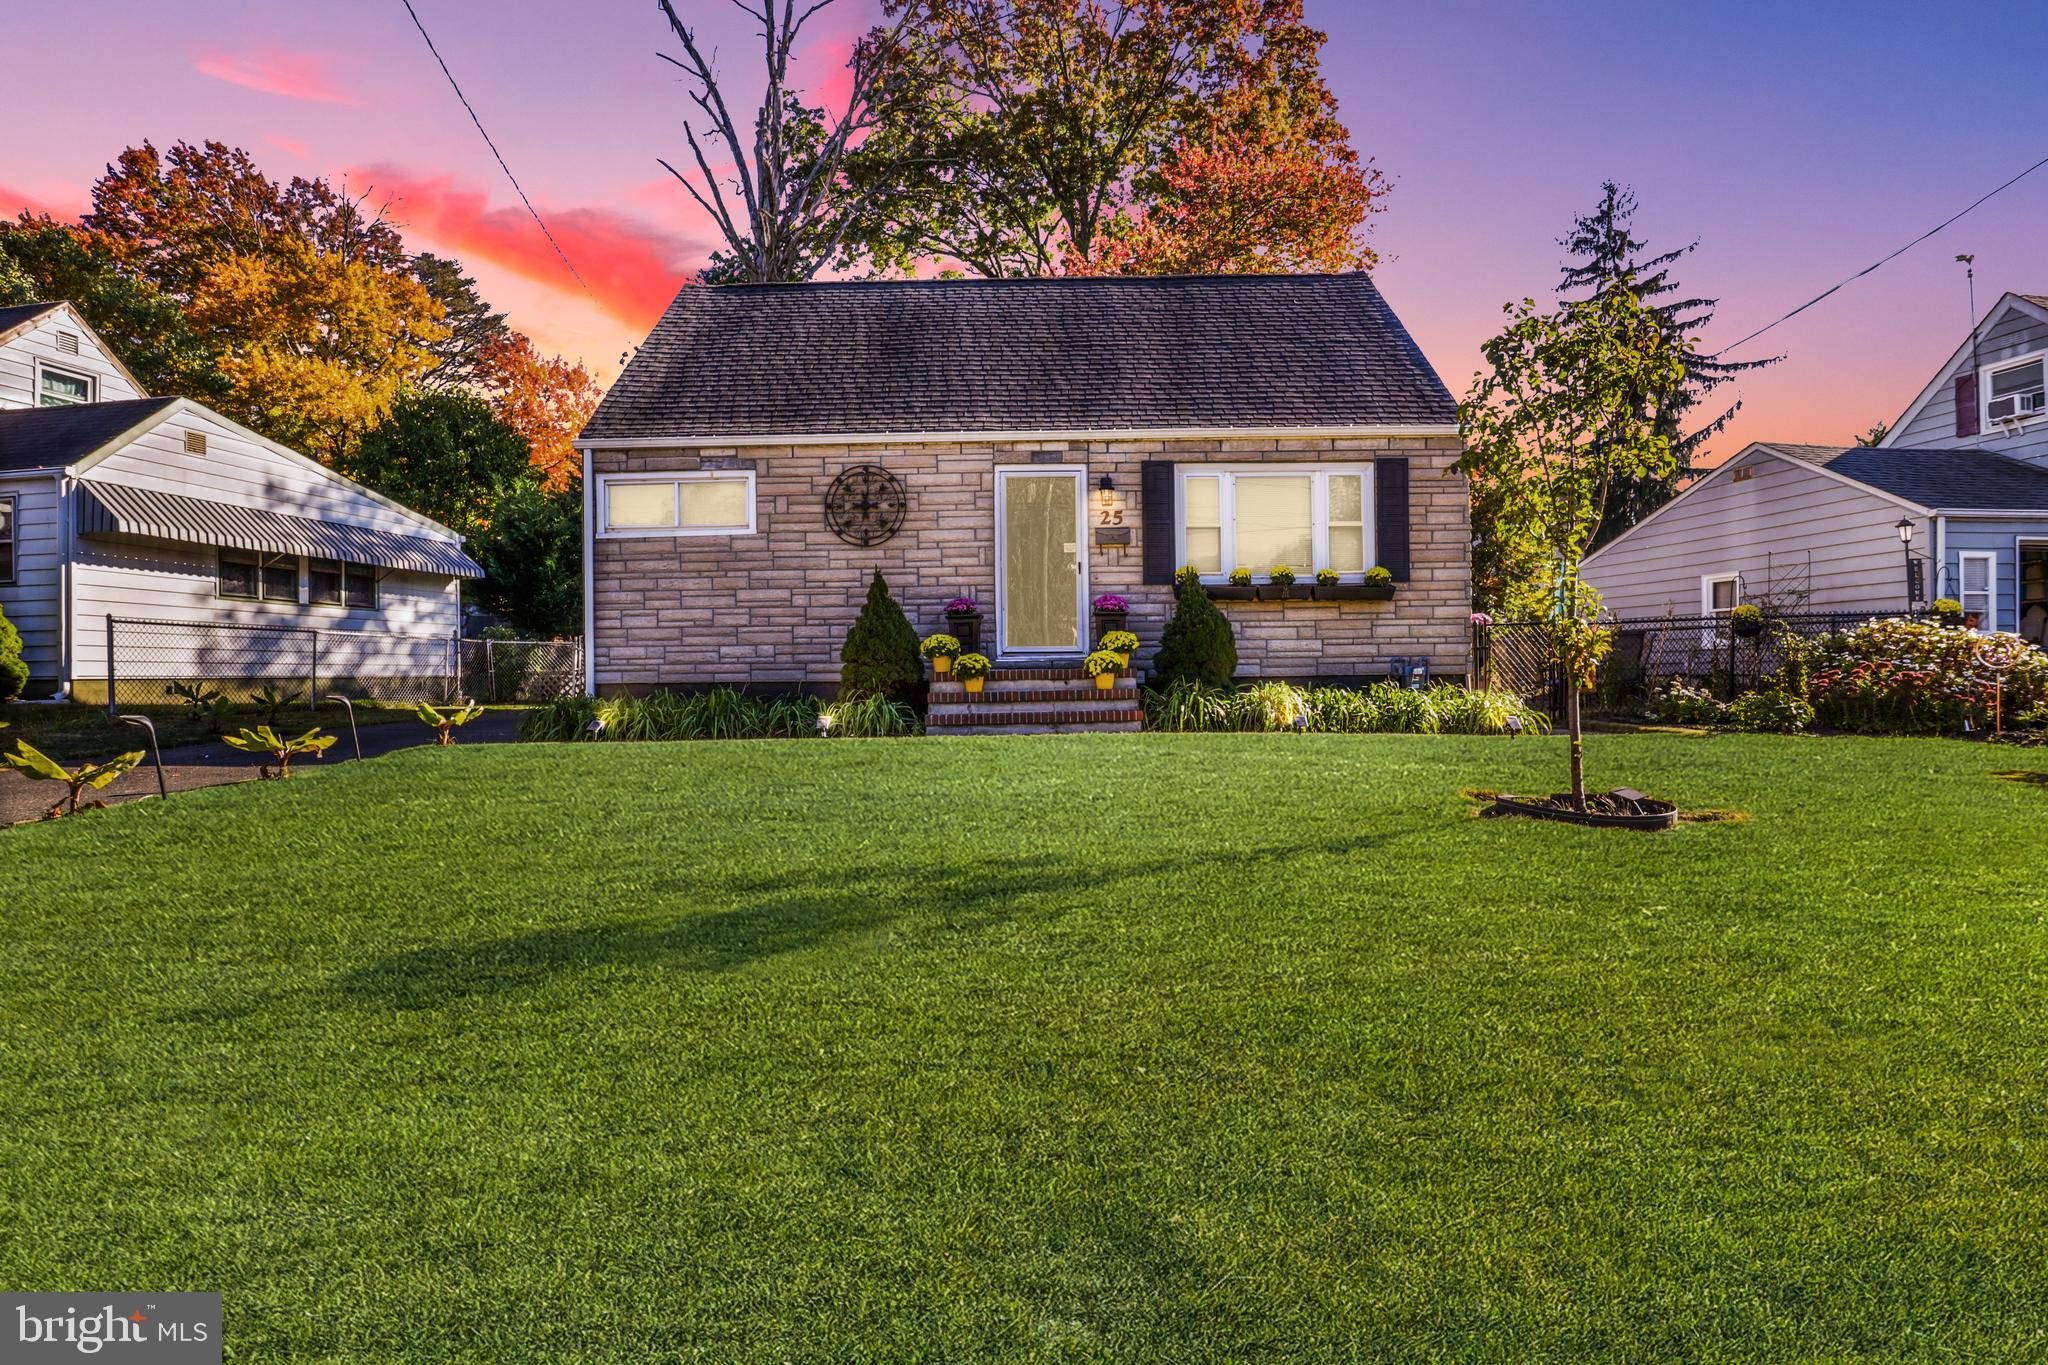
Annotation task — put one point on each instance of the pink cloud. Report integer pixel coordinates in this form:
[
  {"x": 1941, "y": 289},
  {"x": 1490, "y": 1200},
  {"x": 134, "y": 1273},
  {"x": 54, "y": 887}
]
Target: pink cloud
[
  {"x": 632, "y": 268},
  {"x": 13, "y": 202},
  {"x": 289, "y": 145},
  {"x": 274, "y": 71}
]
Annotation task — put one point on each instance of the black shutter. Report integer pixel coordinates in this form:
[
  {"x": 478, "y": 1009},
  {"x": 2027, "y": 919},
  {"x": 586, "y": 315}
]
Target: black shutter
[
  {"x": 1155, "y": 517},
  {"x": 1967, "y": 419},
  {"x": 1390, "y": 514}
]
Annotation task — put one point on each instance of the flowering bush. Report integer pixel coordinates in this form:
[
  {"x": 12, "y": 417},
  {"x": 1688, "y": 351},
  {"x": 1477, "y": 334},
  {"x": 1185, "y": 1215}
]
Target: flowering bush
[
  {"x": 971, "y": 666},
  {"x": 1772, "y": 712},
  {"x": 1328, "y": 577},
  {"x": 1920, "y": 677},
  {"x": 1109, "y": 601},
  {"x": 1118, "y": 642},
  {"x": 939, "y": 647},
  {"x": 1480, "y": 618},
  {"x": 1103, "y": 661},
  {"x": 1683, "y": 704},
  {"x": 1379, "y": 576},
  {"x": 963, "y": 604},
  {"x": 1280, "y": 575},
  {"x": 1241, "y": 577}
]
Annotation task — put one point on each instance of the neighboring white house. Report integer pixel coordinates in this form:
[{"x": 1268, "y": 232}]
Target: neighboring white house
[
  {"x": 1816, "y": 528},
  {"x": 113, "y": 503}
]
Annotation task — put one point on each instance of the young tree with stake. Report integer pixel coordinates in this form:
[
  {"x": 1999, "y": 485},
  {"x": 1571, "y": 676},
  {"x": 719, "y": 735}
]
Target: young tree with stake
[{"x": 1556, "y": 422}]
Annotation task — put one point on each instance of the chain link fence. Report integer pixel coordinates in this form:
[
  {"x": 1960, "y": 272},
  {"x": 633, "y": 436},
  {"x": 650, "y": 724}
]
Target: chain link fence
[
  {"x": 1649, "y": 653},
  {"x": 147, "y": 660}
]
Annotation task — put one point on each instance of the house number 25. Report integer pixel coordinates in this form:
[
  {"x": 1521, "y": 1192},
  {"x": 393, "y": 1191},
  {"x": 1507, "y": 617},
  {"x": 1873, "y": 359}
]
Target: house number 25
[{"x": 1112, "y": 516}]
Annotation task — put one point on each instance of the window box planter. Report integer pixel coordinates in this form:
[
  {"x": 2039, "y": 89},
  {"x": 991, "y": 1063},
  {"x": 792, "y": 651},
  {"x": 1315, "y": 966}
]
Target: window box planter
[
  {"x": 1290, "y": 592},
  {"x": 1356, "y": 592},
  {"x": 1231, "y": 592}
]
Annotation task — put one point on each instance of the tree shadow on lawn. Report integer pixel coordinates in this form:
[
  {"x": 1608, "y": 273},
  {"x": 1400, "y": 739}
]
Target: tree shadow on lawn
[{"x": 787, "y": 913}]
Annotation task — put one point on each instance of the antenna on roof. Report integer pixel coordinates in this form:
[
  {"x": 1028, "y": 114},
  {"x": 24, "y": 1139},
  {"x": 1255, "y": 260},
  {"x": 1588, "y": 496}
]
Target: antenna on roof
[{"x": 1969, "y": 264}]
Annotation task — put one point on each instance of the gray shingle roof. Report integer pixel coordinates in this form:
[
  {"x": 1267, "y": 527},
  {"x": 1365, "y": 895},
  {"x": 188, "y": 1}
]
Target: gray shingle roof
[
  {"x": 1944, "y": 480},
  {"x": 15, "y": 315},
  {"x": 1024, "y": 355},
  {"x": 45, "y": 438}
]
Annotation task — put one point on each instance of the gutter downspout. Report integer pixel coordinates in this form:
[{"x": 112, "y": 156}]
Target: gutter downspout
[
  {"x": 66, "y": 541},
  {"x": 1940, "y": 554},
  {"x": 589, "y": 588}
]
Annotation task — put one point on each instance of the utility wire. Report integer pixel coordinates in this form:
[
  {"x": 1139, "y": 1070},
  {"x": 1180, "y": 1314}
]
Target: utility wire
[
  {"x": 535, "y": 213},
  {"x": 1900, "y": 252}
]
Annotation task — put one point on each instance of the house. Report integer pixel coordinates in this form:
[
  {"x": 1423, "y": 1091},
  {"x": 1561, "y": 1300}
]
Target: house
[
  {"x": 1953, "y": 502},
  {"x": 1029, "y": 443},
  {"x": 115, "y": 504}
]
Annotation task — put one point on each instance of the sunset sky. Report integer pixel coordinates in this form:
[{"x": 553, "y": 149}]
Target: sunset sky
[{"x": 1799, "y": 143}]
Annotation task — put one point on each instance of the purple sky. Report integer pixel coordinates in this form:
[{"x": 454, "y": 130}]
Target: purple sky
[{"x": 1797, "y": 142}]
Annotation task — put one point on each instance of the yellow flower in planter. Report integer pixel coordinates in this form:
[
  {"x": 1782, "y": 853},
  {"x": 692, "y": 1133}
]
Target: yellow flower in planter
[
  {"x": 1103, "y": 666},
  {"x": 1121, "y": 643},
  {"x": 941, "y": 649}
]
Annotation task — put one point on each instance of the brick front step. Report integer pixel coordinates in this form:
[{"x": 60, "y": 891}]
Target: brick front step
[
  {"x": 1013, "y": 717},
  {"x": 1024, "y": 693},
  {"x": 1115, "y": 727}
]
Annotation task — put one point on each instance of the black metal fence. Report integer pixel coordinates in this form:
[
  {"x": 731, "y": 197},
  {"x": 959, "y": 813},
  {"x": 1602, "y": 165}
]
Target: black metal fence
[
  {"x": 1650, "y": 652},
  {"x": 147, "y": 662}
]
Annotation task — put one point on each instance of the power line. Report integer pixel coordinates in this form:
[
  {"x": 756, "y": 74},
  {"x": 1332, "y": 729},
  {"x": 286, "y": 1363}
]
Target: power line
[
  {"x": 493, "y": 146},
  {"x": 1900, "y": 252}
]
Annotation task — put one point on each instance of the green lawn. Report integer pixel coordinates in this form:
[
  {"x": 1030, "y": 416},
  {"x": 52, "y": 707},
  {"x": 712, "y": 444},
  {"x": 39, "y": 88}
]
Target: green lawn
[{"x": 1204, "y": 1048}]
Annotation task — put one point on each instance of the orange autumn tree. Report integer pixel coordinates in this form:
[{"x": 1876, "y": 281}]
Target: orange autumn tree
[
  {"x": 1238, "y": 208},
  {"x": 546, "y": 399}
]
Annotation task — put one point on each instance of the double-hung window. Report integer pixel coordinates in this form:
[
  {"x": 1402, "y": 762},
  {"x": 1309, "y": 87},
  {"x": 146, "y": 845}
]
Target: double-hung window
[
  {"x": 1977, "y": 582},
  {"x": 1719, "y": 593},
  {"x": 6, "y": 540},
  {"x": 57, "y": 388},
  {"x": 2016, "y": 392},
  {"x": 253, "y": 577},
  {"x": 1306, "y": 517}
]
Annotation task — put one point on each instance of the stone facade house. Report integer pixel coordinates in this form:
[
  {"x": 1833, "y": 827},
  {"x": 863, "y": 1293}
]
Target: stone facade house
[{"x": 1030, "y": 444}]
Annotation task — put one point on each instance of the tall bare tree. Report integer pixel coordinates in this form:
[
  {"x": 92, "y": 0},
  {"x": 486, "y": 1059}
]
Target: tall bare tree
[{"x": 787, "y": 209}]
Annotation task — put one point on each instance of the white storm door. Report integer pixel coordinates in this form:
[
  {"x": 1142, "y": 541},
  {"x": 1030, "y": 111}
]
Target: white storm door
[{"x": 1041, "y": 572}]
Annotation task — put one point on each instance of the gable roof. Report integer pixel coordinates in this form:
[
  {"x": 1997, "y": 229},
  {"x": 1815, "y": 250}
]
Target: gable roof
[
  {"x": 20, "y": 317},
  {"x": 52, "y": 438},
  {"x": 1118, "y": 354},
  {"x": 17, "y": 316},
  {"x": 2035, "y": 304},
  {"x": 1947, "y": 480}
]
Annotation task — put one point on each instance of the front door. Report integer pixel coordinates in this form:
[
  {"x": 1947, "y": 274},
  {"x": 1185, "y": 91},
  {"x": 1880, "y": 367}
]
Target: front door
[{"x": 1040, "y": 569}]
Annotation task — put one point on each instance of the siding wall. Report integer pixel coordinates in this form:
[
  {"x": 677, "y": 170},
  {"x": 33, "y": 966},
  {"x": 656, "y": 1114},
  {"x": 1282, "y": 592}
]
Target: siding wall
[
  {"x": 2000, "y": 538},
  {"x": 2007, "y": 337},
  {"x": 774, "y": 607},
  {"x": 179, "y": 582},
  {"x": 34, "y": 601},
  {"x": 18, "y": 360},
  {"x": 1785, "y": 524}
]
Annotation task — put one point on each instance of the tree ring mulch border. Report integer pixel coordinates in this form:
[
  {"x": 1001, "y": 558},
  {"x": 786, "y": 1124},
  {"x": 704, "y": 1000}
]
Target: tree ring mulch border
[{"x": 1608, "y": 810}]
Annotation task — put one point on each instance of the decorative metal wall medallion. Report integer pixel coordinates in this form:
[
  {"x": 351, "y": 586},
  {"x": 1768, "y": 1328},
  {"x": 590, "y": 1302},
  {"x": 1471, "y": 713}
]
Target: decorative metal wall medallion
[{"x": 866, "y": 505}]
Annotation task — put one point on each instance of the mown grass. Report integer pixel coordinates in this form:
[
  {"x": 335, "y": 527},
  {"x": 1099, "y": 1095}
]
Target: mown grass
[{"x": 1211, "y": 1047}]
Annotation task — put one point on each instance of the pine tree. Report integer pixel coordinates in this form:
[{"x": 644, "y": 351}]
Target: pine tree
[
  {"x": 880, "y": 655},
  {"x": 1197, "y": 645},
  {"x": 1607, "y": 254}
]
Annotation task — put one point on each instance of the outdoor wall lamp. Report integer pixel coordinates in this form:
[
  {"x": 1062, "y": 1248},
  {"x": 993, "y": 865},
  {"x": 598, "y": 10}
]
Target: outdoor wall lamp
[
  {"x": 1108, "y": 485},
  {"x": 1915, "y": 584}
]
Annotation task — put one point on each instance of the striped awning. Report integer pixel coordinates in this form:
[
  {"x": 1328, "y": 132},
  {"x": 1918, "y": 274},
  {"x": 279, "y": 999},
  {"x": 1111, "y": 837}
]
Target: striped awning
[{"x": 113, "y": 509}]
